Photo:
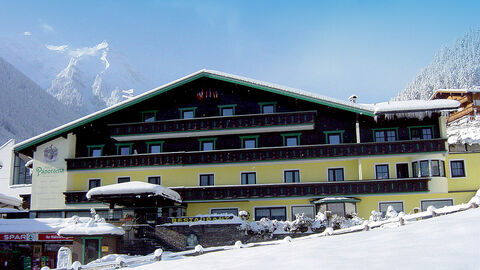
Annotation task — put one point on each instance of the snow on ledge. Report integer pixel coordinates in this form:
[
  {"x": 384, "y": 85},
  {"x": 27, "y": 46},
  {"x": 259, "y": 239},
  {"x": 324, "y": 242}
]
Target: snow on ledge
[{"x": 135, "y": 187}]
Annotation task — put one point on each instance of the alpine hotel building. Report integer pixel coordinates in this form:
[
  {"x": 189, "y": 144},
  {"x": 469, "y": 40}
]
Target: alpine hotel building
[{"x": 227, "y": 143}]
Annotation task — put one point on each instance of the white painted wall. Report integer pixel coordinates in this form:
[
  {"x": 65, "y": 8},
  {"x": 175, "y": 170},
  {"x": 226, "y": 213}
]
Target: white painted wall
[{"x": 6, "y": 172}]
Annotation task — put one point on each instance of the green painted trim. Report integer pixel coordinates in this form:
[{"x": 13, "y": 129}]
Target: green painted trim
[
  {"x": 179, "y": 83},
  {"x": 243, "y": 138},
  {"x": 383, "y": 129},
  {"x": 150, "y": 111},
  {"x": 154, "y": 143},
  {"x": 426, "y": 126},
  {"x": 99, "y": 247},
  {"x": 201, "y": 140},
  {"x": 118, "y": 145},
  {"x": 181, "y": 110},
  {"x": 89, "y": 147},
  {"x": 274, "y": 103},
  {"x": 328, "y": 132},
  {"x": 285, "y": 135},
  {"x": 221, "y": 107}
]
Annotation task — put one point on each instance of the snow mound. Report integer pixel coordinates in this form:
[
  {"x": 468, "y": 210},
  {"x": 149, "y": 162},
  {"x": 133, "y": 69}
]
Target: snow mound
[{"x": 94, "y": 226}]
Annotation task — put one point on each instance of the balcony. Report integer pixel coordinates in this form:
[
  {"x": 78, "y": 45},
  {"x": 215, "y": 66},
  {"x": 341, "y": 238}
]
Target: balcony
[
  {"x": 312, "y": 189},
  {"x": 257, "y": 154},
  {"x": 213, "y": 126}
]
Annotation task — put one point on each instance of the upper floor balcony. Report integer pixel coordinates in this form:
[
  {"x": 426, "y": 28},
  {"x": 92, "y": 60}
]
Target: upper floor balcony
[
  {"x": 213, "y": 126},
  {"x": 258, "y": 154}
]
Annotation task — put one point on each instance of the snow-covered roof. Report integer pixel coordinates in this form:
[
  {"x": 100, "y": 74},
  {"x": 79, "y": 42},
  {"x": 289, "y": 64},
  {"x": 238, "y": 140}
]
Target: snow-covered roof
[
  {"x": 91, "y": 228},
  {"x": 31, "y": 225},
  {"x": 10, "y": 200},
  {"x": 459, "y": 91},
  {"x": 415, "y": 105},
  {"x": 135, "y": 187},
  {"x": 464, "y": 132},
  {"x": 366, "y": 109}
]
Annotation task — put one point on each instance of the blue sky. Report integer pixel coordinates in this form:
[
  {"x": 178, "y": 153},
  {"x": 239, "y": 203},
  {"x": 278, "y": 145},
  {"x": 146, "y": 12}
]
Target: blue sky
[{"x": 336, "y": 48}]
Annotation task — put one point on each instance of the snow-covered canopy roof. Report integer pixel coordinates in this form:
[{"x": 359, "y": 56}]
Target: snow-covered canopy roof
[
  {"x": 365, "y": 109},
  {"x": 335, "y": 200},
  {"x": 134, "y": 188},
  {"x": 90, "y": 228},
  {"x": 32, "y": 225},
  {"x": 10, "y": 200}
]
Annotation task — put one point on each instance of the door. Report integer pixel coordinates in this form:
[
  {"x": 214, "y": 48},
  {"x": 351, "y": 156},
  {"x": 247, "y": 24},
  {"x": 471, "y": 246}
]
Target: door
[
  {"x": 91, "y": 250},
  {"x": 402, "y": 170}
]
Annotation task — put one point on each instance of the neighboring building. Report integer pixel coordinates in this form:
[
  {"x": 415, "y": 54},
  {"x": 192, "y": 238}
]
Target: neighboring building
[
  {"x": 227, "y": 143},
  {"x": 469, "y": 101}
]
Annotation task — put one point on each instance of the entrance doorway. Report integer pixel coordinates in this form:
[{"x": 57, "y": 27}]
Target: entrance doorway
[
  {"x": 91, "y": 249},
  {"x": 402, "y": 170}
]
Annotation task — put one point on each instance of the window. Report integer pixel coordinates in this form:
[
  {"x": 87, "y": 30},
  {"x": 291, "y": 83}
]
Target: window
[
  {"x": 425, "y": 168},
  {"x": 341, "y": 208},
  {"x": 435, "y": 165},
  {"x": 156, "y": 180},
  {"x": 385, "y": 135},
  {"x": 397, "y": 206},
  {"x": 93, "y": 183},
  {"x": 267, "y": 107},
  {"x": 457, "y": 168},
  {"x": 187, "y": 113},
  {"x": 249, "y": 141},
  {"x": 248, "y": 178},
  {"x": 207, "y": 144},
  {"x": 402, "y": 170},
  {"x": 291, "y": 176},
  {"x": 124, "y": 149},
  {"x": 206, "y": 179},
  {"x": 381, "y": 171},
  {"x": 155, "y": 147},
  {"x": 149, "y": 116},
  {"x": 292, "y": 139},
  {"x": 95, "y": 150},
  {"x": 334, "y": 137},
  {"x": 436, "y": 203},
  {"x": 307, "y": 210},
  {"x": 421, "y": 133},
  {"x": 278, "y": 213},
  {"x": 220, "y": 211},
  {"x": 123, "y": 179},
  {"x": 227, "y": 110},
  {"x": 21, "y": 174},
  {"x": 335, "y": 174}
]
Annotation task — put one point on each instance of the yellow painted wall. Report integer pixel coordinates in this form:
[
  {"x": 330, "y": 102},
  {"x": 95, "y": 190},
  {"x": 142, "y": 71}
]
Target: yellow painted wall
[{"x": 472, "y": 168}]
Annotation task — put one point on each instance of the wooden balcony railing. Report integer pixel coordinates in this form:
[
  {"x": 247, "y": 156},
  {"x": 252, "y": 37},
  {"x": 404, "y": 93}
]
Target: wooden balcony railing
[
  {"x": 313, "y": 189},
  {"x": 213, "y": 123},
  {"x": 257, "y": 154}
]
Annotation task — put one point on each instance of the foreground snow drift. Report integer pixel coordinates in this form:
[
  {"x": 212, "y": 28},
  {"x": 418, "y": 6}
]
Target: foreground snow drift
[{"x": 445, "y": 242}]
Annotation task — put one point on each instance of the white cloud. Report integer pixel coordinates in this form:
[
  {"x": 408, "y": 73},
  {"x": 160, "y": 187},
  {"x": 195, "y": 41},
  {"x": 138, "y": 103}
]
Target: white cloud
[
  {"x": 61, "y": 48},
  {"x": 27, "y": 33},
  {"x": 46, "y": 27}
]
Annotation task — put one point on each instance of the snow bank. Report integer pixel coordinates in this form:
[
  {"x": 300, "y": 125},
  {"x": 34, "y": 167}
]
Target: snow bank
[{"x": 135, "y": 187}]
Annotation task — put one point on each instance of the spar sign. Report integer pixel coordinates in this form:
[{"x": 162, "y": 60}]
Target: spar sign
[{"x": 18, "y": 237}]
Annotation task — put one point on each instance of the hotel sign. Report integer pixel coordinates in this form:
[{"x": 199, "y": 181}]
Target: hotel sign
[{"x": 197, "y": 219}]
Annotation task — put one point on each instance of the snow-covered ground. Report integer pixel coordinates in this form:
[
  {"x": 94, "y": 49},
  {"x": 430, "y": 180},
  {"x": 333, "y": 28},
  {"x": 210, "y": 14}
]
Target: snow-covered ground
[{"x": 445, "y": 242}]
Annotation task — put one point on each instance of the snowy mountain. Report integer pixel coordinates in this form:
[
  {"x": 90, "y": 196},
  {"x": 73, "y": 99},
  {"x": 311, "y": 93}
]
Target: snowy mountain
[
  {"x": 86, "y": 79},
  {"x": 454, "y": 66},
  {"x": 27, "y": 110}
]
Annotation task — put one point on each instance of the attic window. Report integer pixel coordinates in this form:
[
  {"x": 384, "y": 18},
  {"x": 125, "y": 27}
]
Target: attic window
[{"x": 268, "y": 107}]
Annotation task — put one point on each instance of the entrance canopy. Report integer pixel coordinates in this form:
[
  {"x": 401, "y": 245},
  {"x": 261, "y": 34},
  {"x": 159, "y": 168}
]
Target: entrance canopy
[{"x": 134, "y": 194}]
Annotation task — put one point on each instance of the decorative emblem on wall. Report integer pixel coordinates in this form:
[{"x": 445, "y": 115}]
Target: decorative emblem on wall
[
  {"x": 50, "y": 153},
  {"x": 207, "y": 93}
]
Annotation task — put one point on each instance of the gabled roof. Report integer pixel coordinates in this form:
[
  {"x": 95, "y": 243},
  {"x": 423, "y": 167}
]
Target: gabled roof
[{"x": 365, "y": 109}]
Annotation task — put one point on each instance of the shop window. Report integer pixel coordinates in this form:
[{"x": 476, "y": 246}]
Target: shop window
[
  {"x": 335, "y": 174},
  {"x": 389, "y": 135},
  {"x": 95, "y": 150},
  {"x": 307, "y": 210},
  {"x": 227, "y": 110},
  {"x": 93, "y": 183},
  {"x": 223, "y": 211},
  {"x": 156, "y": 180},
  {"x": 187, "y": 113},
  {"x": 267, "y": 107},
  {"x": 248, "y": 178},
  {"x": 457, "y": 168},
  {"x": 397, "y": 206},
  {"x": 421, "y": 133},
  {"x": 381, "y": 171},
  {"x": 436, "y": 203},
  {"x": 123, "y": 179},
  {"x": 249, "y": 141},
  {"x": 149, "y": 116},
  {"x": 206, "y": 180},
  {"x": 291, "y": 176},
  {"x": 291, "y": 139},
  {"x": 207, "y": 144},
  {"x": 272, "y": 213},
  {"x": 155, "y": 147}
]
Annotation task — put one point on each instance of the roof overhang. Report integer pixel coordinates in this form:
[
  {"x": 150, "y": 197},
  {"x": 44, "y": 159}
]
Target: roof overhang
[{"x": 336, "y": 200}]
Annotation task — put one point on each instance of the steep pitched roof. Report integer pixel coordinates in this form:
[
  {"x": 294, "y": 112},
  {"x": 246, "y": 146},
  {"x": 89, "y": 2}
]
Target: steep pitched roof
[{"x": 365, "y": 109}]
